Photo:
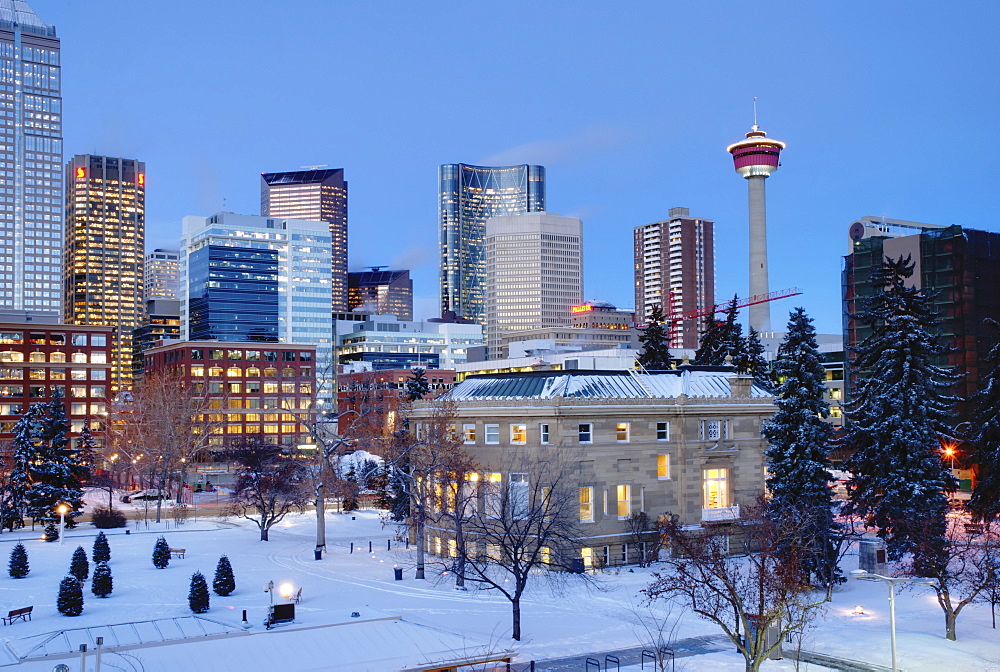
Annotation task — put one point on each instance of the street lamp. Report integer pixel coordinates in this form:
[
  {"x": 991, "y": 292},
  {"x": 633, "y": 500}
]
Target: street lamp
[
  {"x": 948, "y": 449},
  {"x": 891, "y": 581},
  {"x": 62, "y": 509}
]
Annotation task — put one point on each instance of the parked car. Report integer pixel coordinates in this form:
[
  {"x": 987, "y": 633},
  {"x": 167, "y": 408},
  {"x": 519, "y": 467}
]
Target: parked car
[{"x": 143, "y": 495}]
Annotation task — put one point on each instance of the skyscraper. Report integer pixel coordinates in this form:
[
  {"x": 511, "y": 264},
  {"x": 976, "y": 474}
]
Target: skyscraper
[
  {"x": 534, "y": 273},
  {"x": 755, "y": 159},
  {"x": 467, "y": 197},
  {"x": 105, "y": 234},
  {"x": 675, "y": 270},
  {"x": 315, "y": 195},
  {"x": 250, "y": 278},
  {"x": 381, "y": 292},
  {"x": 162, "y": 272},
  {"x": 31, "y": 181}
]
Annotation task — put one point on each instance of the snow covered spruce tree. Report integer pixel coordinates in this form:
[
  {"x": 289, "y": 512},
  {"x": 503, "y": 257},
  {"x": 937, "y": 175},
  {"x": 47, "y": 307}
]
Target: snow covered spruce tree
[
  {"x": 750, "y": 358},
  {"x": 198, "y": 594},
  {"x": 798, "y": 454},
  {"x": 416, "y": 385},
  {"x": 51, "y": 533},
  {"x": 721, "y": 339},
  {"x": 655, "y": 355},
  {"x": 983, "y": 436},
  {"x": 224, "y": 583},
  {"x": 161, "y": 553},
  {"x": 18, "y": 480},
  {"x": 70, "y": 600},
  {"x": 102, "y": 584},
  {"x": 79, "y": 565},
  {"x": 899, "y": 411},
  {"x": 17, "y": 566},
  {"x": 102, "y": 549}
]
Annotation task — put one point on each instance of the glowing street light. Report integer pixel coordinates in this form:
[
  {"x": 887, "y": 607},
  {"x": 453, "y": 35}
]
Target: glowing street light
[
  {"x": 891, "y": 581},
  {"x": 62, "y": 509},
  {"x": 948, "y": 449},
  {"x": 286, "y": 590}
]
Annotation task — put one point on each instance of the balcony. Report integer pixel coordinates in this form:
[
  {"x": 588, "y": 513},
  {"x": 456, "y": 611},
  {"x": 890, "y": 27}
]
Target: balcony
[{"x": 721, "y": 515}]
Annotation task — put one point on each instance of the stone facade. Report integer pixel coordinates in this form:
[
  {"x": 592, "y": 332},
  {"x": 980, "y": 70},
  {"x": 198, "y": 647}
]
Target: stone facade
[{"x": 685, "y": 442}]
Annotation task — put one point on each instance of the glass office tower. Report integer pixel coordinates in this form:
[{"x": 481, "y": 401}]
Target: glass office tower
[
  {"x": 467, "y": 197},
  {"x": 105, "y": 235},
  {"x": 31, "y": 202},
  {"x": 316, "y": 195}
]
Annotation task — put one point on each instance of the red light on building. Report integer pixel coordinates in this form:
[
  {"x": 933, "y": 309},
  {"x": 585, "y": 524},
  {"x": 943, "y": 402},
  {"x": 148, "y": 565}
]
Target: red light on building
[
  {"x": 585, "y": 308},
  {"x": 81, "y": 173},
  {"x": 142, "y": 179}
]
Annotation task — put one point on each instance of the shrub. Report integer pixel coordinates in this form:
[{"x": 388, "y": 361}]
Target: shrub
[
  {"x": 161, "y": 554},
  {"x": 51, "y": 532},
  {"x": 70, "y": 600},
  {"x": 105, "y": 518},
  {"x": 18, "y": 565},
  {"x": 102, "y": 550},
  {"x": 79, "y": 566},
  {"x": 102, "y": 583},
  {"x": 224, "y": 582},
  {"x": 198, "y": 594}
]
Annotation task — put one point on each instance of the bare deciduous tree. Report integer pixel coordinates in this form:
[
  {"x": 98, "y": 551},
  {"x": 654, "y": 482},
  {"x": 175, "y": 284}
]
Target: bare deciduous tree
[
  {"x": 269, "y": 485},
  {"x": 753, "y": 590}
]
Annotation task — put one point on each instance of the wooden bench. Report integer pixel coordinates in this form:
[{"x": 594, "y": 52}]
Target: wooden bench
[
  {"x": 297, "y": 597},
  {"x": 24, "y": 613},
  {"x": 177, "y": 552}
]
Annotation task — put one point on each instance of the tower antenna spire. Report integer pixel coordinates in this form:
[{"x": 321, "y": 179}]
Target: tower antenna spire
[{"x": 755, "y": 126}]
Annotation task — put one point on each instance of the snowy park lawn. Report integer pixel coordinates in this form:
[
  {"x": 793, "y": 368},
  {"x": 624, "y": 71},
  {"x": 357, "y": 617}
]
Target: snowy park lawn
[{"x": 580, "y": 620}]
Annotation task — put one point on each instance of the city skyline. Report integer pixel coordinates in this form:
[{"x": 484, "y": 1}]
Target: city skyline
[{"x": 603, "y": 118}]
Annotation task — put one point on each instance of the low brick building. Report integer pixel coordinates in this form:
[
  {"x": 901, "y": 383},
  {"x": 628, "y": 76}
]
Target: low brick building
[{"x": 685, "y": 442}]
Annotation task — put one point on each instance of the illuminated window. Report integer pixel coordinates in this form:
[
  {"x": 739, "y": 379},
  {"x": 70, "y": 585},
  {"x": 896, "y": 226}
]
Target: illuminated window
[
  {"x": 716, "y": 488},
  {"x": 215, "y": 371},
  {"x": 622, "y": 432},
  {"x": 98, "y": 358},
  {"x": 624, "y": 497},
  {"x": 586, "y": 505},
  {"x": 234, "y": 372},
  {"x": 663, "y": 467},
  {"x": 469, "y": 432},
  {"x": 197, "y": 370},
  {"x": 546, "y": 554},
  {"x": 56, "y": 356},
  {"x": 588, "y": 557},
  {"x": 492, "y": 498},
  {"x": 518, "y": 433}
]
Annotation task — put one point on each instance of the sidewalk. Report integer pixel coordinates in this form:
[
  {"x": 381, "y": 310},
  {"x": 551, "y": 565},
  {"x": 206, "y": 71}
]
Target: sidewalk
[{"x": 692, "y": 646}]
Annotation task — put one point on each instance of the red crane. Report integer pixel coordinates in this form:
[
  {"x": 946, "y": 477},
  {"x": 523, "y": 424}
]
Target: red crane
[{"x": 740, "y": 303}]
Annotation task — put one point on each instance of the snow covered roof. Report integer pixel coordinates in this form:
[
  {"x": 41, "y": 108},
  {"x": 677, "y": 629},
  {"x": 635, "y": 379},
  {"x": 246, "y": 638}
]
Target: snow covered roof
[{"x": 689, "y": 381}]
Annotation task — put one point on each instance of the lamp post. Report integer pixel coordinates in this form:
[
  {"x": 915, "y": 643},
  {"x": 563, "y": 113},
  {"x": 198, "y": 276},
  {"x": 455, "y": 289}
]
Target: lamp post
[
  {"x": 891, "y": 581},
  {"x": 62, "y": 509}
]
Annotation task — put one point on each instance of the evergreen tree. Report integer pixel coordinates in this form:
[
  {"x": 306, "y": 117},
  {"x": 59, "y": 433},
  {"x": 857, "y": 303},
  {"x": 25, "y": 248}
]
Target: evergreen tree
[
  {"x": 56, "y": 471},
  {"x": 102, "y": 549},
  {"x": 655, "y": 339},
  {"x": 983, "y": 436},
  {"x": 798, "y": 452},
  {"x": 79, "y": 566},
  {"x": 751, "y": 361},
  {"x": 103, "y": 584},
  {"x": 19, "y": 480},
  {"x": 161, "y": 553},
  {"x": 416, "y": 385},
  {"x": 732, "y": 333},
  {"x": 17, "y": 567},
  {"x": 198, "y": 594},
  {"x": 224, "y": 583},
  {"x": 70, "y": 600},
  {"x": 711, "y": 347},
  {"x": 899, "y": 412},
  {"x": 51, "y": 533}
]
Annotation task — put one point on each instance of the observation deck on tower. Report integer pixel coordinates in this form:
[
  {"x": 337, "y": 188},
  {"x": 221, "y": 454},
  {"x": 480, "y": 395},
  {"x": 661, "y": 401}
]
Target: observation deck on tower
[{"x": 757, "y": 156}]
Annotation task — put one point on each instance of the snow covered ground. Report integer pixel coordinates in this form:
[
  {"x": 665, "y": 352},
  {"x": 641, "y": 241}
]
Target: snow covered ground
[{"x": 579, "y": 620}]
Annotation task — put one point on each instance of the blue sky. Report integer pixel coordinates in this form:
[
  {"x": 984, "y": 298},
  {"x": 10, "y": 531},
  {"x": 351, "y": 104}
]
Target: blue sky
[{"x": 628, "y": 105}]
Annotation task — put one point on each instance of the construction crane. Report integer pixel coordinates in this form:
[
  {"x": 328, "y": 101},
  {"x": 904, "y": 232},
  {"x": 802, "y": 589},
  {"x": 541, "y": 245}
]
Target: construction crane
[{"x": 740, "y": 303}]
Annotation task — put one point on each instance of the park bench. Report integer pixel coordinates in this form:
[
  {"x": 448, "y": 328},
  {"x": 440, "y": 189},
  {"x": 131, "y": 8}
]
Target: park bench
[
  {"x": 24, "y": 613},
  {"x": 297, "y": 597},
  {"x": 177, "y": 552}
]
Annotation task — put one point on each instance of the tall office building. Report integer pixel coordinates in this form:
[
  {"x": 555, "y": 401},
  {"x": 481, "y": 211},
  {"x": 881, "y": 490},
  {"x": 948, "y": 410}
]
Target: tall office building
[
  {"x": 314, "y": 195},
  {"x": 105, "y": 234},
  {"x": 959, "y": 266},
  {"x": 162, "y": 272},
  {"x": 675, "y": 270},
  {"x": 467, "y": 197},
  {"x": 250, "y": 278},
  {"x": 534, "y": 273},
  {"x": 381, "y": 292},
  {"x": 31, "y": 163}
]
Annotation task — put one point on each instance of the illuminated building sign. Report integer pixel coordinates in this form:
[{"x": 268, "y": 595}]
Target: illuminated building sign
[
  {"x": 585, "y": 308},
  {"x": 81, "y": 173},
  {"x": 142, "y": 179}
]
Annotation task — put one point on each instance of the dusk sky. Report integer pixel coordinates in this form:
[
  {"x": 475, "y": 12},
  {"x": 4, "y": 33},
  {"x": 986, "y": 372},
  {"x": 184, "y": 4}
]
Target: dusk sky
[{"x": 629, "y": 106}]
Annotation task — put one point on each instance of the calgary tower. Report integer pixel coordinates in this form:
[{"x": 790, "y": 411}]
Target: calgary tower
[{"x": 755, "y": 158}]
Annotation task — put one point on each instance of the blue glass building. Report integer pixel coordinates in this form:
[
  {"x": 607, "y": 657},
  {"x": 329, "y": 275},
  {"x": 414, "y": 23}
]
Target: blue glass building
[
  {"x": 233, "y": 294},
  {"x": 467, "y": 197}
]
